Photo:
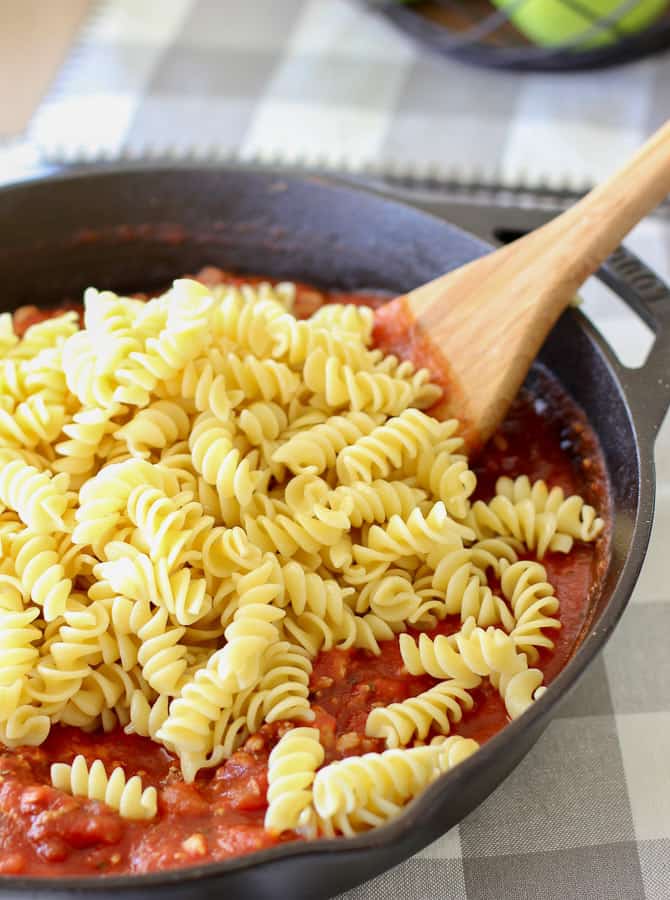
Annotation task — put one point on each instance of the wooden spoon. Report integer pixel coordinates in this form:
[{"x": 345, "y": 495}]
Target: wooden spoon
[{"x": 483, "y": 324}]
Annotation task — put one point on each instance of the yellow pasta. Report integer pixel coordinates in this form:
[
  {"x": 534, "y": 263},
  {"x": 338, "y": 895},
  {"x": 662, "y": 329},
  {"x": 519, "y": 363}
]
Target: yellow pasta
[
  {"x": 362, "y": 792},
  {"x": 125, "y": 795},
  {"x": 400, "y": 723},
  {"x": 199, "y": 494},
  {"x": 291, "y": 769}
]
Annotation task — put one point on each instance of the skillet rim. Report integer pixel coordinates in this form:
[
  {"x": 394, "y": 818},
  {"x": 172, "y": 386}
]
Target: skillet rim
[{"x": 542, "y": 711}]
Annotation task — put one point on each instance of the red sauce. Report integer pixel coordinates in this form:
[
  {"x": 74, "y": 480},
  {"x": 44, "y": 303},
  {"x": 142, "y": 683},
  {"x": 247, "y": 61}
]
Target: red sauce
[{"x": 46, "y": 832}]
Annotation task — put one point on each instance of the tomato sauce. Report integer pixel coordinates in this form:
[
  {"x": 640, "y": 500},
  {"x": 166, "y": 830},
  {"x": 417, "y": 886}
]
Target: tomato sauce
[{"x": 46, "y": 832}]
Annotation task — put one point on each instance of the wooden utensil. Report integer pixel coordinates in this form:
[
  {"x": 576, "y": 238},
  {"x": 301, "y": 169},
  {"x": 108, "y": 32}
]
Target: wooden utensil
[{"x": 483, "y": 324}]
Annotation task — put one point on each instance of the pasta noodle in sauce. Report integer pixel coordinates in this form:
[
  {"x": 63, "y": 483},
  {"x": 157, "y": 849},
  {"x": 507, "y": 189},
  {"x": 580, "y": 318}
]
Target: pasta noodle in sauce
[{"x": 252, "y": 590}]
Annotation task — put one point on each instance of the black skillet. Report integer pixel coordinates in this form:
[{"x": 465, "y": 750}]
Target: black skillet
[{"x": 130, "y": 228}]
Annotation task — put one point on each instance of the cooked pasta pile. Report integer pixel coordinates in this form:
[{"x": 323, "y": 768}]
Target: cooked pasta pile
[{"x": 200, "y": 493}]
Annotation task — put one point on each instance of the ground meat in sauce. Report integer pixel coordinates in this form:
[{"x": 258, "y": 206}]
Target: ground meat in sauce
[{"x": 46, "y": 832}]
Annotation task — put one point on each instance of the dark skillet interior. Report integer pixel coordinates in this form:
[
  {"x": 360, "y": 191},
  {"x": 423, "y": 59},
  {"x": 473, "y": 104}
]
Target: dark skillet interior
[{"x": 130, "y": 228}]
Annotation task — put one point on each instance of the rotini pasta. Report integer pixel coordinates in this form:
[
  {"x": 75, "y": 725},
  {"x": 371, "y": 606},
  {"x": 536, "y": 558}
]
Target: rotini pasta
[
  {"x": 133, "y": 574},
  {"x": 160, "y": 425},
  {"x": 438, "y": 657},
  {"x": 542, "y": 519},
  {"x": 375, "y": 502},
  {"x": 341, "y": 386},
  {"x": 389, "y": 447},
  {"x": 291, "y": 768},
  {"x": 38, "y": 565},
  {"x": 220, "y": 463},
  {"x": 294, "y": 341},
  {"x": 347, "y": 319},
  {"x": 534, "y": 604},
  {"x": 416, "y": 535},
  {"x": 463, "y": 586},
  {"x": 17, "y": 636},
  {"x": 438, "y": 707},
  {"x": 283, "y": 690},
  {"x": 363, "y": 792},
  {"x": 448, "y": 478},
  {"x": 41, "y": 500},
  {"x": 315, "y": 449},
  {"x": 123, "y": 794},
  {"x": 31, "y": 422},
  {"x": 200, "y": 495}
]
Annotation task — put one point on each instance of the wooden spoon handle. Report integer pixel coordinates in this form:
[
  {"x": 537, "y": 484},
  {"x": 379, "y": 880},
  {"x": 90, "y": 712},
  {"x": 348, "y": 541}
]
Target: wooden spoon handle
[
  {"x": 545, "y": 268},
  {"x": 595, "y": 226},
  {"x": 489, "y": 318}
]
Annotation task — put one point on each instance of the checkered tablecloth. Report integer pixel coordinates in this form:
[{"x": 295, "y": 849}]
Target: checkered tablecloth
[
  {"x": 587, "y": 814},
  {"x": 328, "y": 81}
]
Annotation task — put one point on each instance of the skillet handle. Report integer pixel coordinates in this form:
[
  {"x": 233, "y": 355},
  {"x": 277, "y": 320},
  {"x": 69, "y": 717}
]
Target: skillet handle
[{"x": 647, "y": 294}]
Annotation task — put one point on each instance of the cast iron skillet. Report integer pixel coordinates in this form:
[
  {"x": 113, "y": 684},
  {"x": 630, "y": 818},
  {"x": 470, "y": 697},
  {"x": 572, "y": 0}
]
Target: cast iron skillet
[{"x": 131, "y": 227}]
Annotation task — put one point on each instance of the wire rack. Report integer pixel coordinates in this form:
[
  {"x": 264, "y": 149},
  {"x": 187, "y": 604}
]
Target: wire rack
[{"x": 475, "y": 31}]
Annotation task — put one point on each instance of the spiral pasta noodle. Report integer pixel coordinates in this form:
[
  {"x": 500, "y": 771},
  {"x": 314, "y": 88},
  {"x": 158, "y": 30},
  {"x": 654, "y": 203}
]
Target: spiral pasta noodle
[
  {"x": 40, "y": 499},
  {"x": 133, "y": 574},
  {"x": 220, "y": 463},
  {"x": 17, "y": 636},
  {"x": 145, "y": 718},
  {"x": 123, "y": 794},
  {"x": 24, "y": 727},
  {"x": 159, "y": 425},
  {"x": 49, "y": 334},
  {"x": 160, "y": 654},
  {"x": 347, "y": 319},
  {"x": 534, "y": 604},
  {"x": 574, "y": 517},
  {"x": 363, "y": 792},
  {"x": 185, "y": 335},
  {"x": 33, "y": 421},
  {"x": 291, "y": 768},
  {"x": 204, "y": 700},
  {"x": 400, "y": 723},
  {"x": 388, "y": 447},
  {"x": 262, "y": 422},
  {"x": 463, "y": 586},
  {"x": 294, "y": 341},
  {"x": 437, "y": 657},
  {"x": 201, "y": 383},
  {"x": 341, "y": 386},
  {"x": 374, "y": 503},
  {"x": 418, "y": 534},
  {"x": 109, "y": 321},
  {"x": 82, "y": 635},
  {"x": 447, "y": 477},
  {"x": 282, "y": 533},
  {"x": 252, "y": 630},
  {"x": 542, "y": 519},
  {"x": 247, "y": 321},
  {"x": 77, "y": 454},
  {"x": 283, "y": 689},
  {"x": 257, "y": 379},
  {"x": 315, "y": 449},
  {"x": 41, "y": 572}
]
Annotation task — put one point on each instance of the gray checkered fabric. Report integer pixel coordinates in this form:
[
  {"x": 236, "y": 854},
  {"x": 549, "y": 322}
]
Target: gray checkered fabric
[
  {"x": 329, "y": 82},
  {"x": 587, "y": 813}
]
